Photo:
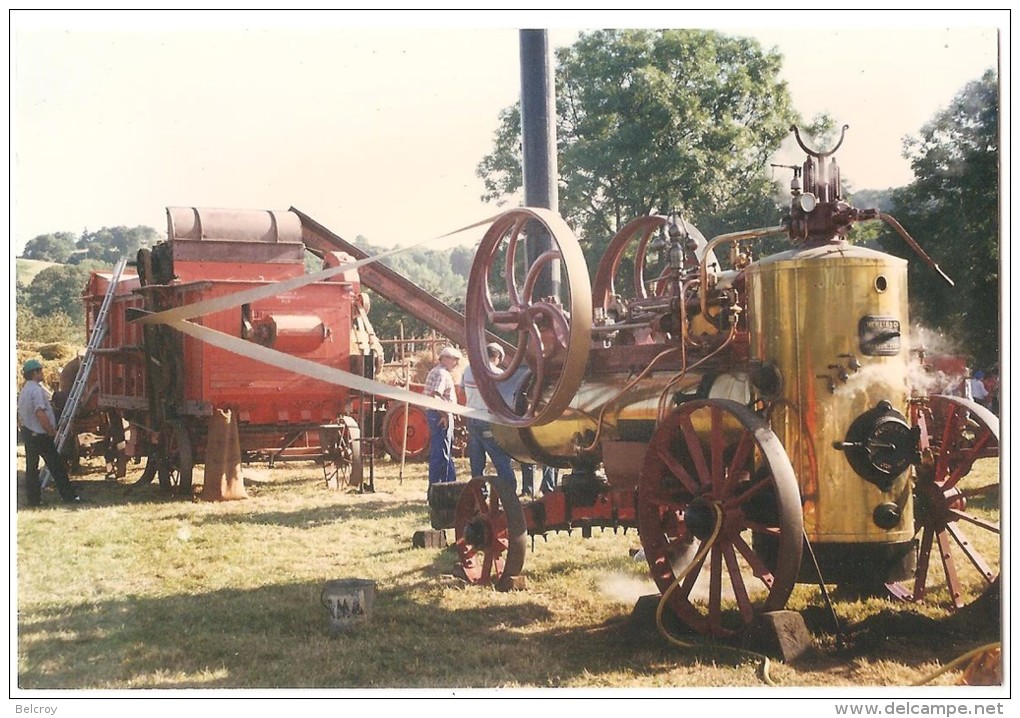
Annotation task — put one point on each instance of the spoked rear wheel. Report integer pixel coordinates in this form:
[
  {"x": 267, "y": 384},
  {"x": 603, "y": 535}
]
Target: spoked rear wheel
[
  {"x": 956, "y": 502},
  {"x": 715, "y": 472},
  {"x": 341, "y": 447}
]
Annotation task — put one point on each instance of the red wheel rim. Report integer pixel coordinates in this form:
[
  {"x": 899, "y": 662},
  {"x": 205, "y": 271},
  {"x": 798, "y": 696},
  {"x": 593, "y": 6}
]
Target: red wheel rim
[
  {"x": 552, "y": 334},
  {"x": 956, "y": 514},
  {"x": 417, "y": 432},
  {"x": 491, "y": 533},
  {"x": 716, "y": 461}
]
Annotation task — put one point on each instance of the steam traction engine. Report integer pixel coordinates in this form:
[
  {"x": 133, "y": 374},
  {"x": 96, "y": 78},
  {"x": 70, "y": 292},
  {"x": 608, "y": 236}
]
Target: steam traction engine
[
  {"x": 765, "y": 409},
  {"x": 167, "y": 385}
]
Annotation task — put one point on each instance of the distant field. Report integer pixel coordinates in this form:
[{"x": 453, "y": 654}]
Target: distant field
[{"x": 26, "y": 269}]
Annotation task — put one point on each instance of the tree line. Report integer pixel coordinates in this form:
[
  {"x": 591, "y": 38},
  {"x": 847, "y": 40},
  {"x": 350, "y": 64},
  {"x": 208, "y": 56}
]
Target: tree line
[
  {"x": 50, "y": 308},
  {"x": 651, "y": 120}
]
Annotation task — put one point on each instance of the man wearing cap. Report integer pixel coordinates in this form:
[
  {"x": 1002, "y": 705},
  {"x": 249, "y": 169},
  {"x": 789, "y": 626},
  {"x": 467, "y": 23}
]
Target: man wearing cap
[
  {"x": 480, "y": 439},
  {"x": 439, "y": 384},
  {"x": 39, "y": 427}
]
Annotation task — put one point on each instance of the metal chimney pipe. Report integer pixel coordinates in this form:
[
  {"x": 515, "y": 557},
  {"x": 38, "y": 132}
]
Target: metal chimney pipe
[{"x": 538, "y": 142}]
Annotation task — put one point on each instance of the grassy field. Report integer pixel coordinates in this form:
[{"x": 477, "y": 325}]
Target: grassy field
[
  {"x": 26, "y": 269},
  {"x": 138, "y": 591}
]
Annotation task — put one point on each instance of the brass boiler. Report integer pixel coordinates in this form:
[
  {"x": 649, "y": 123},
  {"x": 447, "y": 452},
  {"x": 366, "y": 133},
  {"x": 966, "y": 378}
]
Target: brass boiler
[{"x": 832, "y": 319}]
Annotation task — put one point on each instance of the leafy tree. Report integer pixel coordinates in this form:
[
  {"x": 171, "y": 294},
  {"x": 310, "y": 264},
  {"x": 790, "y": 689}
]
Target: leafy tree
[
  {"x": 952, "y": 210},
  {"x": 651, "y": 119},
  {"x": 461, "y": 259},
  {"x": 109, "y": 244},
  {"x": 57, "y": 290},
  {"x": 55, "y": 247},
  {"x": 880, "y": 199},
  {"x": 56, "y": 327},
  {"x": 442, "y": 273}
]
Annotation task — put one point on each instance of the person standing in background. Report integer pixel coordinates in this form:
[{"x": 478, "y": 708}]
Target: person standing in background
[
  {"x": 480, "y": 439},
  {"x": 977, "y": 388},
  {"x": 439, "y": 384},
  {"x": 991, "y": 382},
  {"x": 528, "y": 479},
  {"x": 38, "y": 429}
]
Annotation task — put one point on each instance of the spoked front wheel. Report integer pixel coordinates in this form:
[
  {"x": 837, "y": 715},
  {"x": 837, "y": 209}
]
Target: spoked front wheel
[
  {"x": 491, "y": 533},
  {"x": 341, "y": 447},
  {"x": 715, "y": 473}
]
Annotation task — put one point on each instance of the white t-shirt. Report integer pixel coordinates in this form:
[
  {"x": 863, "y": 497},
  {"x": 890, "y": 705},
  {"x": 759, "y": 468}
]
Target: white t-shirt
[{"x": 473, "y": 397}]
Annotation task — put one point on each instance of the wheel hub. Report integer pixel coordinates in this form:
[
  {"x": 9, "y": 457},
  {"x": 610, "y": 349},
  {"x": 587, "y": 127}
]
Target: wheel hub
[
  {"x": 474, "y": 533},
  {"x": 700, "y": 517},
  {"x": 931, "y": 506}
]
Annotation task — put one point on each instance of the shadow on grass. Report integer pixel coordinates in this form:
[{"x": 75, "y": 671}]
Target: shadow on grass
[
  {"x": 276, "y": 636},
  {"x": 261, "y": 481},
  {"x": 279, "y": 636}
]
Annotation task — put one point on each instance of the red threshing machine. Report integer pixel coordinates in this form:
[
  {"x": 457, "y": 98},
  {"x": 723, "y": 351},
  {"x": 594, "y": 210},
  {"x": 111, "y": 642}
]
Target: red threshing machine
[
  {"x": 163, "y": 386},
  {"x": 167, "y": 385},
  {"x": 743, "y": 415}
]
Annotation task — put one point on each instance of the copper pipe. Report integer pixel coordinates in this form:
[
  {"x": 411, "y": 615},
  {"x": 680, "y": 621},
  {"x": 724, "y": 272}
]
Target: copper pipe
[
  {"x": 891, "y": 221},
  {"x": 731, "y": 237}
]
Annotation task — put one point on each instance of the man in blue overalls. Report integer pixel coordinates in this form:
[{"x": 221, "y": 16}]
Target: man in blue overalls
[{"x": 440, "y": 384}]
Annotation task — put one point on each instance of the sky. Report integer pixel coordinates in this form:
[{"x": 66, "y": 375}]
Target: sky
[{"x": 374, "y": 124}]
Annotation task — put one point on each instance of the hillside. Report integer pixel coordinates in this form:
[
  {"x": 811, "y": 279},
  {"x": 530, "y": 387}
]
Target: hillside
[{"x": 26, "y": 269}]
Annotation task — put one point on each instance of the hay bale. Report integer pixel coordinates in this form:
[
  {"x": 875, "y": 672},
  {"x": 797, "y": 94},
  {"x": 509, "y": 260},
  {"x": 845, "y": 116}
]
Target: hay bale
[
  {"x": 58, "y": 351},
  {"x": 53, "y": 355},
  {"x": 420, "y": 363}
]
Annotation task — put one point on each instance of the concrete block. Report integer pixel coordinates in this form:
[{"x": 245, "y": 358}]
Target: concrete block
[
  {"x": 643, "y": 626},
  {"x": 430, "y": 538},
  {"x": 780, "y": 634},
  {"x": 513, "y": 583}
]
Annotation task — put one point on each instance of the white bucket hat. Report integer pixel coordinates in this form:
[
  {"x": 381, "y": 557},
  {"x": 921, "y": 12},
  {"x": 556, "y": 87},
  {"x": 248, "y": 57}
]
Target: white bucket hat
[{"x": 494, "y": 348}]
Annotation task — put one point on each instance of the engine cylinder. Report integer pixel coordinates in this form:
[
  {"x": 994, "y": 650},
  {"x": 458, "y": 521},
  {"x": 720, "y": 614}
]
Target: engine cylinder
[{"x": 629, "y": 420}]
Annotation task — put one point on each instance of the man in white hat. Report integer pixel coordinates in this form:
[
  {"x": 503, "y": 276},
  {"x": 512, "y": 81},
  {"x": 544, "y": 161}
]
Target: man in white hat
[
  {"x": 480, "y": 439},
  {"x": 439, "y": 384}
]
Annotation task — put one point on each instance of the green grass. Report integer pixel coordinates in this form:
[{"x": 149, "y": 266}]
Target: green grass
[{"x": 137, "y": 591}]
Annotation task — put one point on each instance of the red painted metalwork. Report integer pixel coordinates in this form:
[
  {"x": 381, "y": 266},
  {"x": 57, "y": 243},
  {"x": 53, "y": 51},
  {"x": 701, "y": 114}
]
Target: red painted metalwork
[
  {"x": 740, "y": 473},
  {"x": 758, "y": 403},
  {"x": 405, "y": 421},
  {"x": 167, "y": 384},
  {"x": 955, "y": 433},
  {"x": 490, "y": 535}
]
